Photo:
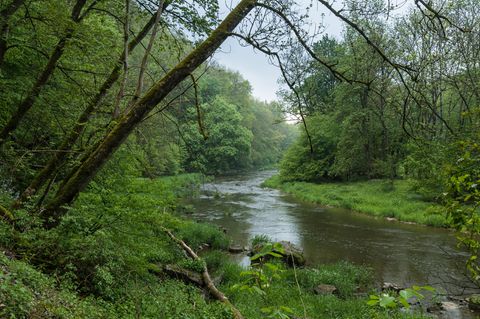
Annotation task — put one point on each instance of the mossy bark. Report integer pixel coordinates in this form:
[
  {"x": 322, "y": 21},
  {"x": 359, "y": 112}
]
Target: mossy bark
[
  {"x": 67, "y": 144},
  {"x": 47, "y": 72},
  {"x": 6, "y": 215},
  {"x": 129, "y": 121},
  {"x": 5, "y": 15}
]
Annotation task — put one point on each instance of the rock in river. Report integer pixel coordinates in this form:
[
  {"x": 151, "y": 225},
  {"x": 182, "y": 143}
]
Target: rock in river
[{"x": 291, "y": 254}]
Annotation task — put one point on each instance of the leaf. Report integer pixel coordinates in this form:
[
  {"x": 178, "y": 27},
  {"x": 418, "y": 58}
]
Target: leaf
[
  {"x": 429, "y": 288},
  {"x": 279, "y": 248},
  {"x": 266, "y": 309},
  {"x": 372, "y": 302},
  {"x": 404, "y": 302},
  {"x": 271, "y": 267},
  {"x": 257, "y": 256},
  {"x": 387, "y": 301},
  {"x": 286, "y": 309},
  {"x": 406, "y": 294},
  {"x": 259, "y": 291}
]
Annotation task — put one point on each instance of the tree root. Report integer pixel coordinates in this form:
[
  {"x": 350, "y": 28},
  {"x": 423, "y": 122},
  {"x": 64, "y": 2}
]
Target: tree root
[{"x": 217, "y": 294}]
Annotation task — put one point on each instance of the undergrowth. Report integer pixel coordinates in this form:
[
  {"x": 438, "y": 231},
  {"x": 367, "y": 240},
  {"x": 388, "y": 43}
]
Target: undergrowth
[{"x": 106, "y": 260}]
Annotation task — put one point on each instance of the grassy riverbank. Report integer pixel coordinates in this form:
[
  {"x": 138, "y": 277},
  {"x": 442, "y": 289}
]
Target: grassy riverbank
[
  {"x": 381, "y": 198},
  {"x": 107, "y": 260}
]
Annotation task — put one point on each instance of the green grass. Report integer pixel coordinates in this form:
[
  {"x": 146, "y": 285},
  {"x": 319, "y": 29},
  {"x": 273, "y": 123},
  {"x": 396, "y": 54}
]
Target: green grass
[
  {"x": 380, "y": 198},
  {"x": 295, "y": 290}
]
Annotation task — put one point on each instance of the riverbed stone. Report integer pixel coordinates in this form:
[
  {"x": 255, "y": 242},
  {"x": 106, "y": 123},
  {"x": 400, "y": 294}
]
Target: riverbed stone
[
  {"x": 324, "y": 289},
  {"x": 291, "y": 254},
  {"x": 391, "y": 286},
  {"x": 449, "y": 306},
  {"x": 236, "y": 249}
]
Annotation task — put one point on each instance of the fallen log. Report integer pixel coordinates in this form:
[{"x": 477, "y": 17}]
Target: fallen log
[
  {"x": 184, "y": 274},
  {"x": 207, "y": 281}
]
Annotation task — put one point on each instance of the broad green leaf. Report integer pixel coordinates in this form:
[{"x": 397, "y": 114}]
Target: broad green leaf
[
  {"x": 387, "y": 301},
  {"x": 372, "y": 302}
]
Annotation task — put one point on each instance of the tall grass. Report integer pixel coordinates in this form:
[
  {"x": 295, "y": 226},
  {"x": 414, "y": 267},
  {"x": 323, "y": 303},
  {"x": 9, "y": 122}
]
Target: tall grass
[{"x": 382, "y": 198}]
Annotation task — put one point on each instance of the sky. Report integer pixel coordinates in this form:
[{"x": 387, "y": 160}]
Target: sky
[{"x": 254, "y": 65}]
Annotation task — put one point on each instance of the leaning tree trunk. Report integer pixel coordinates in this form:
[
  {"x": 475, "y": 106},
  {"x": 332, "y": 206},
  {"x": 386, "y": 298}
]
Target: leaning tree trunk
[
  {"x": 31, "y": 97},
  {"x": 5, "y": 15},
  {"x": 126, "y": 124},
  {"x": 65, "y": 147}
]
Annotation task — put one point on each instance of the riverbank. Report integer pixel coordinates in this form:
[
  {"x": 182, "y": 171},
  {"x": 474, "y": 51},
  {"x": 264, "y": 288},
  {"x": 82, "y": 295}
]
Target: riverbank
[
  {"x": 380, "y": 198},
  {"x": 108, "y": 259}
]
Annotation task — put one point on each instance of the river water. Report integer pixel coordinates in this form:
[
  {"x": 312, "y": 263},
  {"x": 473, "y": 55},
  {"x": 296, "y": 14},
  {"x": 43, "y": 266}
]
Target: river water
[{"x": 399, "y": 253}]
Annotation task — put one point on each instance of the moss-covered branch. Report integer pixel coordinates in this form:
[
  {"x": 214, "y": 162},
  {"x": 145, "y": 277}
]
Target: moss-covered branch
[
  {"x": 212, "y": 289},
  {"x": 6, "y": 215}
]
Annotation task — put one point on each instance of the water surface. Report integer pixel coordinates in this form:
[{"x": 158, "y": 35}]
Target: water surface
[{"x": 400, "y": 253}]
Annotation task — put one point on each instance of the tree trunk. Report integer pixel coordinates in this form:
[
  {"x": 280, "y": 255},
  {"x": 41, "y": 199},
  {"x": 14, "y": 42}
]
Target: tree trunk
[
  {"x": 84, "y": 174},
  {"x": 143, "y": 66},
  {"x": 71, "y": 138},
  {"x": 121, "y": 91},
  {"x": 4, "y": 26},
  {"x": 31, "y": 97}
]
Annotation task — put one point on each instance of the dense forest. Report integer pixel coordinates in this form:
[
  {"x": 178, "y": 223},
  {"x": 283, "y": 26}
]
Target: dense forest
[{"x": 112, "y": 113}]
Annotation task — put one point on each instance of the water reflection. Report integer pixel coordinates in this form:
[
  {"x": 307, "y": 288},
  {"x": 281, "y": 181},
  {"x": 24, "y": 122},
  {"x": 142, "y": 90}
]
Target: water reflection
[{"x": 400, "y": 253}]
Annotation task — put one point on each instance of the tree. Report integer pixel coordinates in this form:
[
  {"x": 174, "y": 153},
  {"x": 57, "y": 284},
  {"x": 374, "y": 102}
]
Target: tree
[
  {"x": 228, "y": 143},
  {"x": 71, "y": 138},
  {"x": 126, "y": 124},
  {"x": 76, "y": 16}
]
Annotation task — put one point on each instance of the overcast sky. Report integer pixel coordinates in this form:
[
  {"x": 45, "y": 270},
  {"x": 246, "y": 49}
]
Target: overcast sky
[{"x": 253, "y": 65}]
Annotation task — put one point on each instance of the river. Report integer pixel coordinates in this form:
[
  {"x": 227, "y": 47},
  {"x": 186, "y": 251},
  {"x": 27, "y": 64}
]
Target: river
[{"x": 399, "y": 253}]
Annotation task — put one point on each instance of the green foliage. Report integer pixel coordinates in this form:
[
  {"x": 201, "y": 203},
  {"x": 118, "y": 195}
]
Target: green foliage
[
  {"x": 462, "y": 198},
  {"x": 259, "y": 278},
  {"x": 299, "y": 163},
  {"x": 228, "y": 143},
  {"x": 283, "y": 297},
  {"x": 281, "y": 312},
  {"x": 27, "y": 293},
  {"x": 267, "y": 249},
  {"x": 261, "y": 274},
  {"x": 108, "y": 248},
  {"x": 234, "y": 131},
  {"x": 109, "y": 245},
  {"x": 403, "y": 299},
  {"x": 260, "y": 239},
  {"x": 425, "y": 164}
]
